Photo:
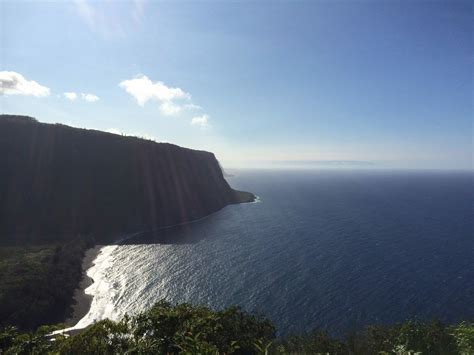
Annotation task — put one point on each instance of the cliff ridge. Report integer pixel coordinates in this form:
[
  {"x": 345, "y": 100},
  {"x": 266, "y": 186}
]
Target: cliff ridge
[{"x": 57, "y": 181}]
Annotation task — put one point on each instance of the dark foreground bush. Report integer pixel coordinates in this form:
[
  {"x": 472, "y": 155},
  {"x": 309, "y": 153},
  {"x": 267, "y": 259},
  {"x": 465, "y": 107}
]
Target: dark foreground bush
[
  {"x": 186, "y": 329},
  {"x": 408, "y": 338}
]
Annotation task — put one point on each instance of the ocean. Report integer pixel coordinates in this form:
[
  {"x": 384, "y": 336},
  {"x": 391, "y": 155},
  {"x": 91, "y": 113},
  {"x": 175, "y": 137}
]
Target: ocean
[{"x": 328, "y": 249}]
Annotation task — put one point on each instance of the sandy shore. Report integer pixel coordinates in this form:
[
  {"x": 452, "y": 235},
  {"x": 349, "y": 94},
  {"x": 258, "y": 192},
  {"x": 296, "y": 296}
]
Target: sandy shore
[{"x": 82, "y": 301}]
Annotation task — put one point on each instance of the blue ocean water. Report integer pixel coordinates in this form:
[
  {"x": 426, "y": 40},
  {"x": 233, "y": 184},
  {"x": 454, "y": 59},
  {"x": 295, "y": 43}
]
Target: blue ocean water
[{"x": 323, "y": 249}]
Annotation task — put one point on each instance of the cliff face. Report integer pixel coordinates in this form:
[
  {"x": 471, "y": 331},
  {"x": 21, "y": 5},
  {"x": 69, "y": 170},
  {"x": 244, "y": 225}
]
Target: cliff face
[{"x": 56, "y": 181}]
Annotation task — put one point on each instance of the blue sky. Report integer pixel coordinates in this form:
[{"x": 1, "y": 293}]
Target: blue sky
[{"x": 388, "y": 82}]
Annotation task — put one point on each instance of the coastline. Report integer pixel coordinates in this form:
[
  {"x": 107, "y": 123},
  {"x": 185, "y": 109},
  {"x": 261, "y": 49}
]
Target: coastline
[{"x": 81, "y": 300}]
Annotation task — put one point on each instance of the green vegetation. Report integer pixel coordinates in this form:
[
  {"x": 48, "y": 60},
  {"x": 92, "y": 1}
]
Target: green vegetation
[
  {"x": 37, "y": 282},
  {"x": 185, "y": 329}
]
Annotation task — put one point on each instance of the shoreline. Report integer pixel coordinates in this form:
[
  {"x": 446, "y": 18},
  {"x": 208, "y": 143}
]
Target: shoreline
[{"x": 81, "y": 300}]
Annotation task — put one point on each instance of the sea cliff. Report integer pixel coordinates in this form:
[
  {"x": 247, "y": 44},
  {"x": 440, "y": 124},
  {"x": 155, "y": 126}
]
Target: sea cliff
[{"x": 57, "y": 181}]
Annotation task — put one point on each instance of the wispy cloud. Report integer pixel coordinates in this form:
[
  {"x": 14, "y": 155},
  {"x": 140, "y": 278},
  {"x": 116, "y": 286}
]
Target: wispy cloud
[
  {"x": 12, "y": 83},
  {"x": 168, "y": 108},
  {"x": 192, "y": 107},
  {"x": 89, "y": 97},
  {"x": 71, "y": 96},
  {"x": 109, "y": 18},
  {"x": 138, "y": 10},
  {"x": 86, "y": 12},
  {"x": 201, "y": 121}
]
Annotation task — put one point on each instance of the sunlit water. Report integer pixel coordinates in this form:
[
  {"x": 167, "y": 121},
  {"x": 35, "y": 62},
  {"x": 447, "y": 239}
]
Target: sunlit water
[{"x": 330, "y": 249}]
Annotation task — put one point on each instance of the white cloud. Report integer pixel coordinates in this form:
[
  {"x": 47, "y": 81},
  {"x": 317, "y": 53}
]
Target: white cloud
[
  {"x": 89, "y": 97},
  {"x": 12, "y": 83},
  {"x": 139, "y": 135},
  {"x": 172, "y": 101},
  {"x": 144, "y": 90},
  {"x": 192, "y": 107},
  {"x": 145, "y": 136},
  {"x": 114, "y": 131},
  {"x": 70, "y": 96},
  {"x": 168, "y": 108},
  {"x": 201, "y": 121}
]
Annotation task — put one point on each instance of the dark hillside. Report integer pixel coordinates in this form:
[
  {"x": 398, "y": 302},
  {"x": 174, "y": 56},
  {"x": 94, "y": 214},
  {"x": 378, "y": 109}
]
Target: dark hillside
[{"x": 56, "y": 180}]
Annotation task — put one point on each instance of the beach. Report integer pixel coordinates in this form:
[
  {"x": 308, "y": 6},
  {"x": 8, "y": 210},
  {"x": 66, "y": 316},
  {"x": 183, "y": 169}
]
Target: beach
[{"x": 82, "y": 301}]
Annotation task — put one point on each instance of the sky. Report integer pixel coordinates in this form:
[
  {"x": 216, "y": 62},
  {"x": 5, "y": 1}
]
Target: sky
[{"x": 264, "y": 83}]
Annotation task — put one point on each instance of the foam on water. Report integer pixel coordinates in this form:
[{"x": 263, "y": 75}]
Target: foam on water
[{"x": 102, "y": 289}]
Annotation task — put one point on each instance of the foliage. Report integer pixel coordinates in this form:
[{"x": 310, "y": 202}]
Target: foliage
[
  {"x": 409, "y": 338},
  {"x": 104, "y": 337},
  {"x": 164, "y": 329},
  {"x": 186, "y": 329},
  {"x": 37, "y": 282},
  {"x": 39, "y": 342},
  {"x": 316, "y": 342},
  {"x": 463, "y": 334}
]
